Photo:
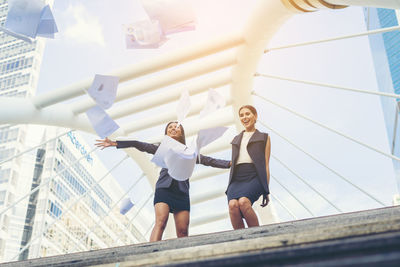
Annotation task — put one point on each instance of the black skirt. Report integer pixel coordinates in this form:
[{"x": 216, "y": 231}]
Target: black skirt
[
  {"x": 245, "y": 183},
  {"x": 173, "y": 197}
]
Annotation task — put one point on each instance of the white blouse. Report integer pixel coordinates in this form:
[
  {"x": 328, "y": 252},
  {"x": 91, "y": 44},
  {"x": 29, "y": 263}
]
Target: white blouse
[{"x": 244, "y": 156}]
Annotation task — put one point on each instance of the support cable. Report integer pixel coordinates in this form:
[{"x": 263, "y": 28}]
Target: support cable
[
  {"x": 306, "y": 183},
  {"x": 71, "y": 206},
  {"x": 111, "y": 209},
  {"x": 134, "y": 217},
  {"x": 323, "y": 164},
  {"x": 32, "y": 148},
  {"x": 388, "y": 29},
  {"x": 48, "y": 181},
  {"x": 151, "y": 227},
  {"x": 284, "y": 206},
  {"x": 329, "y": 128},
  {"x": 290, "y": 193},
  {"x": 325, "y": 85}
]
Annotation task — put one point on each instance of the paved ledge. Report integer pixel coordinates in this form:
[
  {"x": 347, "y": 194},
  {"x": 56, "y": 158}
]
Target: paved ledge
[{"x": 365, "y": 238}]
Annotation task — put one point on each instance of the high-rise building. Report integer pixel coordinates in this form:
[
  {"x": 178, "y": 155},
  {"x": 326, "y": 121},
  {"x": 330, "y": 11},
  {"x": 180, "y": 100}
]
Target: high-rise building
[
  {"x": 385, "y": 49},
  {"x": 19, "y": 69},
  {"x": 62, "y": 217},
  {"x": 31, "y": 220}
]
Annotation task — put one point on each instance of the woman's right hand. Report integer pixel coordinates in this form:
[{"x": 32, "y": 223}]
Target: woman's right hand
[{"x": 103, "y": 143}]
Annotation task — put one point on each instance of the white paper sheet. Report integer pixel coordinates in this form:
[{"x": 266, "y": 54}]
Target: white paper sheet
[
  {"x": 104, "y": 90},
  {"x": 214, "y": 102},
  {"x": 101, "y": 122},
  {"x": 166, "y": 144},
  {"x": 207, "y": 136},
  {"x": 125, "y": 206},
  {"x": 144, "y": 34},
  {"x": 182, "y": 110},
  {"x": 180, "y": 164},
  {"x": 24, "y": 16},
  {"x": 173, "y": 15},
  {"x": 29, "y": 18},
  {"x": 47, "y": 26}
]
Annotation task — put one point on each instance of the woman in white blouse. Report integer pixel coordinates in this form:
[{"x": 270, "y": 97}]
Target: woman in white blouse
[{"x": 249, "y": 175}]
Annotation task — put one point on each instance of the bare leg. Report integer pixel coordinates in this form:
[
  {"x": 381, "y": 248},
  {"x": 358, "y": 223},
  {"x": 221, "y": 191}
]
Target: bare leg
[
  {"x": 248, "y": 213},
  {"x": 182, "y": 223},
  {"x": 162, "y": 213},
  {"x": 235, "y": 214}
]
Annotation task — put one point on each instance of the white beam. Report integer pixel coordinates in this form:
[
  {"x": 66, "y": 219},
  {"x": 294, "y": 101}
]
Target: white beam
[
  {"x": 163, "y": 118},
  {"x": 22, "y": 110},
  {"x": 195, "y": 87},
  {"x": 265, "y": 21},
  {"x": 206, "y": 173},
  {"x": 207, "y": 195},
  {"x": 200, "y": 220},
  {"x": 222, "y": 117},
  {"x": 179, "y": 74},
  {"x": 158, "y": 63}
]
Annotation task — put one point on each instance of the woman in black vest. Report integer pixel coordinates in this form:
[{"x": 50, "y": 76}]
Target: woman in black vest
[
  {"x": 170, "y": 195},
  {"x": 249, "y": 176}
]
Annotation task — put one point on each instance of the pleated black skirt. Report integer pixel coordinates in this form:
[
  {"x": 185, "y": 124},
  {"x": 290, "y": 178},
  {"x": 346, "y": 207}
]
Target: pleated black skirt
[
  {"x": 245, "y": 183},
  {"x": 173, "y": 197}
]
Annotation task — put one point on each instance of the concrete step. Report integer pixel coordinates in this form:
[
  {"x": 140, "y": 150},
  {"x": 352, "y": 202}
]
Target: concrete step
[{"x": 365, "y": 238}]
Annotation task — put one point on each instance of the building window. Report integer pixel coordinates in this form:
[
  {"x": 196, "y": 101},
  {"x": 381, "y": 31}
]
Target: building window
[{"x": 2, "y": 197}]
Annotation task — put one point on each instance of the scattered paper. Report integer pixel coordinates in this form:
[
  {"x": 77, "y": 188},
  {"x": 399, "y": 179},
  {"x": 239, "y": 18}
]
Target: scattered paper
[
  {"x": 29, "y": 18},
  {"x": 126, "y": 205},
  {"x": 207, "y": 136},
  {"x": 47, "y": 26},
  {"x": 166, "y": 144},
  {"x": 182, "y": 110},
  {"x": 214, "y": 102},
  {"x": 180, "y": 159},
  {"x": 104, "y": 90},
  {"x": 173, "y": 15},
  {"x": 144, "y": 34},
  {"x": 180, "y": 164},
  {"x": 101, "y": 122}
]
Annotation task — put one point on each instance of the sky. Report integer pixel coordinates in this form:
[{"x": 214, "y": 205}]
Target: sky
[{"x": 91, "y": 41}]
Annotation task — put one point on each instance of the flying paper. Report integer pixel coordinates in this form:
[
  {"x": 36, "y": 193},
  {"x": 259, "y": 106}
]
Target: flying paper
[
  {"x": 144, "y": 34},
  {"x": 183, "y": 107},
  {"x": 166, "y": 144},
  {"x": 180, "y": 164},
  {"x": 180, "y": 159},
  {"x": 173, "y": 15},
  {"x": 126, "y": 205},
  {"x": 104, "y": 90},
  {"x": 101, "y": 122},
  {"x": 214, "y": 102},
  {"x": 207, "y": 136},
  {"x": 47, "y": 26},
  {"x": 29, "y": 18}
]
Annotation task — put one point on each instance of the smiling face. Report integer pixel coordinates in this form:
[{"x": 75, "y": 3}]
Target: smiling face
[
  {"x": 248, "y": 119},
  {"x": 175, "y": 132}
]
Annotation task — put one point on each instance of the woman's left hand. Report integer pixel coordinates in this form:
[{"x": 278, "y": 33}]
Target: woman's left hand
[{"x": 265, "y": 201}]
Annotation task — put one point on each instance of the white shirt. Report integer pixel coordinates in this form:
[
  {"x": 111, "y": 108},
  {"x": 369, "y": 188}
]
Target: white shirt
[{"x": 244, "y": 156}]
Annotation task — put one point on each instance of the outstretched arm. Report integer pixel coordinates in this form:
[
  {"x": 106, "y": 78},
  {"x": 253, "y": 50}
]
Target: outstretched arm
[
  {"x": 141, "y": 146},
  {"x": 103, "y": 143},
  {"x": 217, "y": 163}
]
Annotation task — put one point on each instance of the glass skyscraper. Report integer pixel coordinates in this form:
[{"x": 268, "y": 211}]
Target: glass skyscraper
[
  {"x": 385, "y": 50},
  {"x": 19, "y": 69}
]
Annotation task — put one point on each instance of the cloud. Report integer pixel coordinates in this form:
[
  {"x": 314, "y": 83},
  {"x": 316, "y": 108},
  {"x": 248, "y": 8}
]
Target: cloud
[{"x": 85, "y": 28}]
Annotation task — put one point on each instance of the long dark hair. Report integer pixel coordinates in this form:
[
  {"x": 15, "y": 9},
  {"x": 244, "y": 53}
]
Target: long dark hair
[
  {"x": 250, "y": 107},
  {"x": 182, "y": 139}
]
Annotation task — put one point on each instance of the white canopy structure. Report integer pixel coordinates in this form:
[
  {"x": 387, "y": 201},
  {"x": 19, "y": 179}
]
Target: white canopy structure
[{"x": 234, "y": 56}]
